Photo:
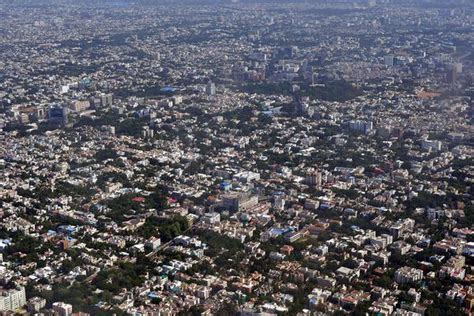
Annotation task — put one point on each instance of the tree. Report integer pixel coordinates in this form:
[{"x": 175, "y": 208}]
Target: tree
[{"x": 104, "y": 154}]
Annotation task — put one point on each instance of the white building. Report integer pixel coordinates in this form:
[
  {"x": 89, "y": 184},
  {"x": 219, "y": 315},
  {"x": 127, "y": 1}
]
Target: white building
[
  {"x": 408, "y": 275},
  {"x": 12, "y": 299},
  {"x": 434, "y": 145},
  {"x": 62, "y": 309},
  {"x": 211, "y": 88}
]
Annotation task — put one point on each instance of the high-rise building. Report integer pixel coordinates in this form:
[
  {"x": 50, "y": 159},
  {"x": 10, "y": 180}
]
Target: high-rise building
[
  {"x": 80, "y": 105},
  {"x": 451, "y": 76},
  {"x": 11, "y": 300},
  {"x": 389, "y": 60},
  {"x": 58, "y": 115},
  {"x": 147, "y": 132},
  {"x": 106, "y": 99},
  {"x": 434, "y": 145},
  {"x": 314, "y": 178},
  {"x": 278, "y": 201},
  {"x": 361, "y": 126},
  {"x": 211, "y": 88},
  {"x": 408, "y": 275},
  {"x": 40, "y": 113},
  {"x": 457, "y": 67}
]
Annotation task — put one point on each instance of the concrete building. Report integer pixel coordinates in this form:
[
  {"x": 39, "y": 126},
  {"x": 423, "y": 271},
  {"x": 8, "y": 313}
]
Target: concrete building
[
  {"x": 62, "y": 309},
  {"x": 408, "y": 275},
  {"x": 12, "y": 299},
  {"x": 239, "y": 201},
  {"x": 35, "y": 304},
  {"x": 211, "y": 88}
]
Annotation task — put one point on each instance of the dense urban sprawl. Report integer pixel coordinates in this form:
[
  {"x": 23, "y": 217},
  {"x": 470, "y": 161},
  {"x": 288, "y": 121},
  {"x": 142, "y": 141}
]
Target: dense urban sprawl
[{"x": 252, "y": 158}]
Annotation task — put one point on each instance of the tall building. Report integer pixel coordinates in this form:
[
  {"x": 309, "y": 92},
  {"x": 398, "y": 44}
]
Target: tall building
[
  {"x": 147, "y": 132},
  {"x": 434, "y": 145},
  {"x": 389, "y": 60},
  {"x": 35, "y": 304},
  {"x": 62, "y": 309},
  {"x": 451, "y": 76},
  {"x": 211, "y": 88},
  {"x": 237, "y": 201},
  {"x": 40, "y": 113},
  {"x": 408, "y": 275},
  {"x": 278, "y": 201},
  {"x": 12, "y": 299},
  {"x": 361, "y": 126},
  {"x": 314, "y": 178},
  {"x": 106, "y": 99},
  {"x": 80, "y": 105},
  {"x": 371, "y": 3},
  {"x": 58, "y": 115},
  {"x": 457, "y": 67}
]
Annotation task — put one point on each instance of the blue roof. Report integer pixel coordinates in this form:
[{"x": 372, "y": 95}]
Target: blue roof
[
  {"x": 168, "y": 89},
  {"x": 277, "y": 231},
  {"x": 281, "y": 231},
  {"x": 68, "y": 228}
]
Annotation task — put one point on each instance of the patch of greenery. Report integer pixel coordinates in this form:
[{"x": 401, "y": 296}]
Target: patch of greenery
[{"x": 338, "y": 90}]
